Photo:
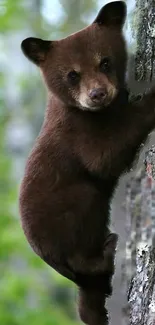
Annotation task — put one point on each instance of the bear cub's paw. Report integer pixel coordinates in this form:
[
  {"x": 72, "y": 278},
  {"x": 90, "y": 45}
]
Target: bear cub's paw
[{"x": 109, "y": 252}]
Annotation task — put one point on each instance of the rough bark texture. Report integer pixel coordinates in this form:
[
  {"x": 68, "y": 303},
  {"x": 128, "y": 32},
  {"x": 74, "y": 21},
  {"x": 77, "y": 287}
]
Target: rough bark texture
[
  {"x": 140, "y": 197},
  {"x": 142, "y": 289},
  {"x": 145, "y": 21}
]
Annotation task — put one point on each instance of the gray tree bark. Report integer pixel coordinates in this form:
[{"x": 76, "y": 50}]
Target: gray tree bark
[
  {"x": 141, "y": 295},
  {"x": 144, "y": 23},
  {"x": 142, "y": 290}
]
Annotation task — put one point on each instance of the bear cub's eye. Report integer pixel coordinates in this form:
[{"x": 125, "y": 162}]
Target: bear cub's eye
[
  {"x": 73, "y": 77},
  {"x": 105, "y": 65}
]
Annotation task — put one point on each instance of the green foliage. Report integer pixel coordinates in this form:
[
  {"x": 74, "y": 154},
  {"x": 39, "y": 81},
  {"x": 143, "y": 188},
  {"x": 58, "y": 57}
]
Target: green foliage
[{"x": 9, "y": 11}]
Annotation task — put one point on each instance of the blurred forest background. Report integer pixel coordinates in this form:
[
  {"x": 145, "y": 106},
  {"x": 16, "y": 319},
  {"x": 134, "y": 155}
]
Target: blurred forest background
[{"x": 30, "y": 291}]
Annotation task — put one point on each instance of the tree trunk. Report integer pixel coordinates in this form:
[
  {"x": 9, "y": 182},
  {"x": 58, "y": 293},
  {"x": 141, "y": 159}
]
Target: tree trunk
[
  {"x": 145, "y": 38},
  {"x": 142, "y": 289},
  {"x": 140, "y": 199}
]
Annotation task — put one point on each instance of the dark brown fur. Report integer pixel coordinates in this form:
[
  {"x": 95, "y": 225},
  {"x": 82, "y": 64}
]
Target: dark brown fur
[{"x": 79, "y": 155}]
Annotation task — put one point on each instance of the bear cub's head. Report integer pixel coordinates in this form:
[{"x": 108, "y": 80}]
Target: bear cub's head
[{"x": 86, "y": 69}]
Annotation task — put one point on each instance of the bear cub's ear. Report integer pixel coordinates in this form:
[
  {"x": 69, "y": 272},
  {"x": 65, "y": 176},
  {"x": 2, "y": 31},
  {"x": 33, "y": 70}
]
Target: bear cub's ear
[
  {"x": 112, "y": 14},
  {"x": 35, "y": 49}
]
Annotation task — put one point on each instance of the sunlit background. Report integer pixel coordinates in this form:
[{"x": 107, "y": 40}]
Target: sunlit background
[{"x": 31, "y": 293}]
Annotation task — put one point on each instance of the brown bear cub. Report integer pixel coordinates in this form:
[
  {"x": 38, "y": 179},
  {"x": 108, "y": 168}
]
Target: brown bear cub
[{"x": 90, "y": 137}]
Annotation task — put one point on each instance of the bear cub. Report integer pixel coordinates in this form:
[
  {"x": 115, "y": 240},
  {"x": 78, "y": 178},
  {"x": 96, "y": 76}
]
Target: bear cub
[{"x": 90, "y": 136}]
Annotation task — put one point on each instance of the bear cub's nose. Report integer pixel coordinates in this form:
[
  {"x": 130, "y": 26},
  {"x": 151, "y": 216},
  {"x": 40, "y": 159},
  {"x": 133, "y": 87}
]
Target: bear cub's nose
[{"x": 98, "y": 94}]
